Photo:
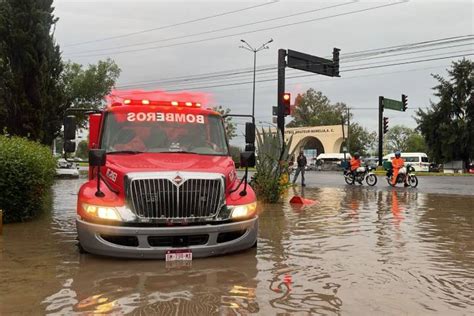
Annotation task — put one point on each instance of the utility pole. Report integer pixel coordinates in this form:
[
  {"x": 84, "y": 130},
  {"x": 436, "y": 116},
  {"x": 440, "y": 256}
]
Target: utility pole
[
  {"x": 380, "y": 129},
  {"x": 343, "y": 138},
  {"x": 281, "y": 90},
  {"x": 348, "y": 130},
  {"x": 254, "y": 51}
]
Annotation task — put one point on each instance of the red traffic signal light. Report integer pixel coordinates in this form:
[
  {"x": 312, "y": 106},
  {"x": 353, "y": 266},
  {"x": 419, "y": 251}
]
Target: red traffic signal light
[
  {"x": 405, "y": 102},
  {"x": 385, "y": 125},
  {"x": 286, "y": 98}
]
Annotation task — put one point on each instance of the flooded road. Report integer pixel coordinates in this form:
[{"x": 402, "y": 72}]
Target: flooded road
[{"x": 357, "y": 251}]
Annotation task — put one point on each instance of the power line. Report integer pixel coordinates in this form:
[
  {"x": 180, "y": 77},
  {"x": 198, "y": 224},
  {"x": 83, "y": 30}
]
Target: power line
[
  {"x": 216, "y": 30},
  {"x": 348, "y": 70},
  {"x": 266, "y": 68},
  {"x": 245, "y": 32},
  {"x": 420, "y": 44},
  {"x": 343, "y": 70},
  {"x": 174, "y": 25}
]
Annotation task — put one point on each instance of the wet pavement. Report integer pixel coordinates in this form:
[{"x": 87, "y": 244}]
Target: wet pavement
[{"x": 357, "y": 251}]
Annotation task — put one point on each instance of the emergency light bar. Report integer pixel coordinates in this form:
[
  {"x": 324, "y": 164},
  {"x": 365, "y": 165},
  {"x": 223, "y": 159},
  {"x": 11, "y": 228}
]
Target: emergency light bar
[{"x": 162, "y": 103}]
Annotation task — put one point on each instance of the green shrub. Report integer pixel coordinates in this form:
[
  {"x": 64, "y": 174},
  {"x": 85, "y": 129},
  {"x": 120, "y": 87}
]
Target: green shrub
[
  {"x": 271, "y": 178},
  {"x": 26, "y": 174}
]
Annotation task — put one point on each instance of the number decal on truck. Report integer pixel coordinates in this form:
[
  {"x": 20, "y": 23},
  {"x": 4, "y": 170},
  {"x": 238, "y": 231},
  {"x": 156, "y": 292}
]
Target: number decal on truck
[{"x": 111, "y": 175}]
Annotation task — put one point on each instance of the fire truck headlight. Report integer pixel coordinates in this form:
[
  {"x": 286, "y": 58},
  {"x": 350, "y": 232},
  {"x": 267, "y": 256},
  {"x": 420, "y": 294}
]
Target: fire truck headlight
[
  {"x": 244, "y": 211},
  {"x": 103, "y": 212}
]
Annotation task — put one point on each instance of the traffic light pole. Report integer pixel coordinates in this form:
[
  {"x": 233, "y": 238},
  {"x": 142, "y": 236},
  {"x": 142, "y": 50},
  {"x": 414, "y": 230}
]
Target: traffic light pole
[
  {"x": 281, "y": 91},
  {"x": 380, "y": 130}
]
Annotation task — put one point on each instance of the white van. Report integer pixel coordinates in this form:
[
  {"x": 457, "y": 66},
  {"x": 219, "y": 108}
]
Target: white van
[{"x": 419, "y": 161}]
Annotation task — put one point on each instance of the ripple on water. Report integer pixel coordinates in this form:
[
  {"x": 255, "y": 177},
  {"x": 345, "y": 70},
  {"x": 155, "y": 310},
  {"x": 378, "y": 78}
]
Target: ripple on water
[{"x": 357, "y": 251}]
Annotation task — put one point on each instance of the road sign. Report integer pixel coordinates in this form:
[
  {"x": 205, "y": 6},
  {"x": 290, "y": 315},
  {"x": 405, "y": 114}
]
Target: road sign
[
  {"x": 311, "y": 63},
  {"x": 392, "y": 104}
]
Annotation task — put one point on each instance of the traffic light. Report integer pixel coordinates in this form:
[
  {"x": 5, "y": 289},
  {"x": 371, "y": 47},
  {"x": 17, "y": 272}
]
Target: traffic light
[
  {"x": 286, "y": 97},
  {"x": 405, "y": 102},
  {"x": 385, "y": 125}
]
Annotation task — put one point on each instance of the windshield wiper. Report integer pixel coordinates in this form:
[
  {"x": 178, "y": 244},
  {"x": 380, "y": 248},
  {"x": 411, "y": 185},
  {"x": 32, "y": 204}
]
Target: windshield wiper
[{"x": 132, "y": 152}]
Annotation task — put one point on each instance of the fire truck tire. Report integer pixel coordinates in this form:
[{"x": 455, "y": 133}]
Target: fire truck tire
[{"x": 81, "y": 249}]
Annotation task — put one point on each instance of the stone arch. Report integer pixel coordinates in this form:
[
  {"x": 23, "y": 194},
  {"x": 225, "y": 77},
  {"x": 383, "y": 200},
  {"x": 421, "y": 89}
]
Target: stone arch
[
  {"x": 338, "y": 145},
  {"x": 309, "y": 142}
]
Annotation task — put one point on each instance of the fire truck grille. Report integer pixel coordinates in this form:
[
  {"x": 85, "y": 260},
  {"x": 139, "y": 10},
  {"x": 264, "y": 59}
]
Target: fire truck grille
[{"x": 163, "y": 199}]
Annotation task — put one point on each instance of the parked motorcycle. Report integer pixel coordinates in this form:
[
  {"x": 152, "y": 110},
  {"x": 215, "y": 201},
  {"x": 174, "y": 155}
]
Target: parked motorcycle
[
  {"x": 362, "y": 173},
  {"x": 405, "y": 175}
]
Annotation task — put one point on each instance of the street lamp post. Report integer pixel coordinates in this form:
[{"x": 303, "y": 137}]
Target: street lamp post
[{"x": 254, "y": 51}]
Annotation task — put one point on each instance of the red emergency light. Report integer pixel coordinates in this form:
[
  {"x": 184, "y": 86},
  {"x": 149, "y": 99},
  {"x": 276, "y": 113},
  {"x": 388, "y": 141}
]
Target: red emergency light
[{"x": 160, "y": 103}]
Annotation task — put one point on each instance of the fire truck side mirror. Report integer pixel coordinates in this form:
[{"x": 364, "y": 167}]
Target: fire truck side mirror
[
  {"x": 97, "y": 157},
  {"x": 69, "y": 146},
  {"x": 247, "y": 159},
  {"x": 249, "y": 133},
  {"x": 69, "y": 127}
]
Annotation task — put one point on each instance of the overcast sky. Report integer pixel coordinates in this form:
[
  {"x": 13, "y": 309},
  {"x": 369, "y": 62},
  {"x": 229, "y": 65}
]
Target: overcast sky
[{"x": 341, "y": 26}]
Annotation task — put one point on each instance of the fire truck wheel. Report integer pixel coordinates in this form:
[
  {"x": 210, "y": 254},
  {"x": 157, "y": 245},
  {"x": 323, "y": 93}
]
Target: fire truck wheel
[{"x": 81, "y": 249}]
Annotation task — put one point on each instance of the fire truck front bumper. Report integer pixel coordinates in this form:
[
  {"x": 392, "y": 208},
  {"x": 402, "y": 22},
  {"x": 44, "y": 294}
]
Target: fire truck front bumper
[{"x": 155, "y": 242}]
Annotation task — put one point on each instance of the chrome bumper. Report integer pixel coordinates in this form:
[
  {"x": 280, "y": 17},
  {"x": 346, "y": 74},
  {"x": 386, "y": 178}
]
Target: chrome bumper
[{"x": 90, "y": 237}]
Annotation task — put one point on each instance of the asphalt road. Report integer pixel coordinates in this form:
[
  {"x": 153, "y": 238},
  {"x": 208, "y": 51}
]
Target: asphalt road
[{"x": 459, "y": 185}]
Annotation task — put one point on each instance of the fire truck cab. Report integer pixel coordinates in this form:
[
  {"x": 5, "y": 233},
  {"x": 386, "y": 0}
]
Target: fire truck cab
[{"x": 161, "y": 181}]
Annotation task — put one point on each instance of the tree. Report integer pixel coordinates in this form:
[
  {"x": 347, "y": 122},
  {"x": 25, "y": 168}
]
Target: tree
[
  {"x": 405, "y": 139},
  {"x": 36, "y": 87},
  {"x": 416, "y": 143},
  {"x": 230, "y": 128},
  {"x": 86, "y": 87},
  {"x": 82, "y": 149},
  {"x": 30, "y": 62},
  {"x": 448, "y": 126},
  {"x": 361, "y": 140},
  {"x": 312, "y": 108}
]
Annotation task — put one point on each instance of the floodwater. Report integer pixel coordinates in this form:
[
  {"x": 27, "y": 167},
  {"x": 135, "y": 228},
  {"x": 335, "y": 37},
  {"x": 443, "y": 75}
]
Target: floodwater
[{"x": 358, "y": 251}]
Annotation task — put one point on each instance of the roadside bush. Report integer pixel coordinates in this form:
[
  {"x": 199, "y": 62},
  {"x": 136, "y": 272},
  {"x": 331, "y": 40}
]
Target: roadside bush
[
  {"x": 26, "y": 174},
  {"x": 271, "y": 178}
]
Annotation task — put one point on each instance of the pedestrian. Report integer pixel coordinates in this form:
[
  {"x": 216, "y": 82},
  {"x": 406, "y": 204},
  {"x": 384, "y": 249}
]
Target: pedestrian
[{"x": 301, "y": 165}]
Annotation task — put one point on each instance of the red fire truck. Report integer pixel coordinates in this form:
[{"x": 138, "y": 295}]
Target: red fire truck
[{"x": 162, "y": 183}]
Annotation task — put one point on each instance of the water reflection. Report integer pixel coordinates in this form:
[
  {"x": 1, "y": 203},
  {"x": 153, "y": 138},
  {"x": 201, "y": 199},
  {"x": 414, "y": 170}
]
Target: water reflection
[
  {"x": 110, "y": 286},
  {"x": 352, "y": 252}
]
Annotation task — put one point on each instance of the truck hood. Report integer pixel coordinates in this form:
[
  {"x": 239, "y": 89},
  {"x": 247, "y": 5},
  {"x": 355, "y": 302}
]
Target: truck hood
[{"x": 123, "y": 163}]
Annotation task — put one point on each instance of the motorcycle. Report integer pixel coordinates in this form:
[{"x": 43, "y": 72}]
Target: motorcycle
[
  {"x": 405, "y": 175},
  {"x": 362, "y": 173}
]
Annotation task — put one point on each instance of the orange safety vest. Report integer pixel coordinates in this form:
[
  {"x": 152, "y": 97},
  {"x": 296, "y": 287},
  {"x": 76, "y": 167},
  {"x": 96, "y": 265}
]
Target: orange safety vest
[
  {"x": 355, "y": 163},
  {"x": 398, "y": 163}
]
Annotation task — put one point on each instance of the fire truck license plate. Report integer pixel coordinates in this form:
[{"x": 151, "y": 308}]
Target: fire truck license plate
[{"x": 179, "y": 255}]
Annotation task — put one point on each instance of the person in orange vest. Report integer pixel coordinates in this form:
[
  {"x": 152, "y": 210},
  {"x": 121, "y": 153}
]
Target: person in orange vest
[
  {"x": 355, "y": 163},
  {"x": 397, "y": 164}
]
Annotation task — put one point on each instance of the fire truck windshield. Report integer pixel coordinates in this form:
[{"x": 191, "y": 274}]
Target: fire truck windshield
[{"x": 162, "y": 132}]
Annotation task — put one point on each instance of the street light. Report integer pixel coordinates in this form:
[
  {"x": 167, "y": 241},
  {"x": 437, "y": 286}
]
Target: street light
[{"x": 255, "y": 51}]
